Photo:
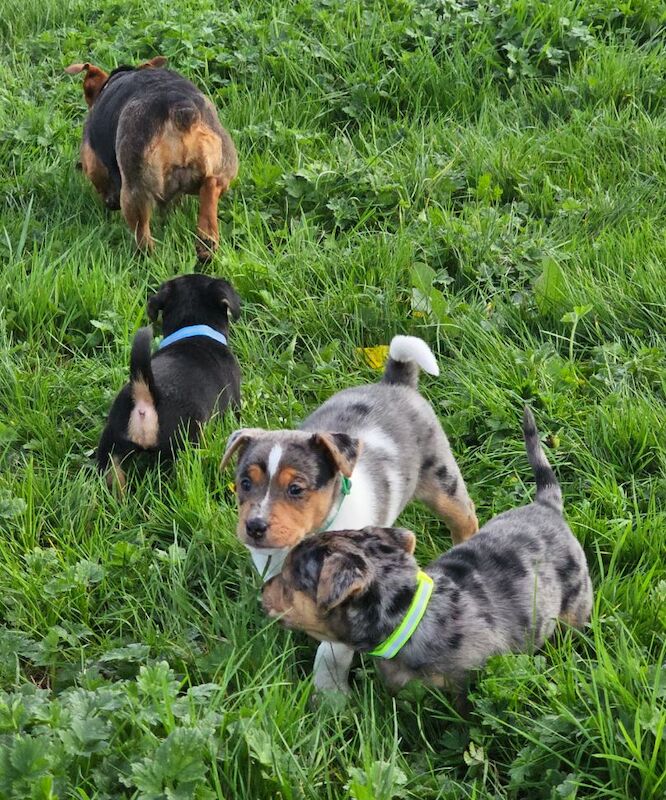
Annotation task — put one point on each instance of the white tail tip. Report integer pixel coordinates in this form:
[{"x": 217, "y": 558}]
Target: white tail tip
[{"x": 411, "y": 348}]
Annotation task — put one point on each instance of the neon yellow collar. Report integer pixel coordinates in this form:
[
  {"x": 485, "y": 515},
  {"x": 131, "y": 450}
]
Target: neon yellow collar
[{"x": 404, "y": 632}]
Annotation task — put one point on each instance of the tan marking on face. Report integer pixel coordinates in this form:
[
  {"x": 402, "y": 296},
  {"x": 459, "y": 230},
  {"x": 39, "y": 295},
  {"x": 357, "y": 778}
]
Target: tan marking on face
[
  {"x": 295, "y": 609},
  {"x": 286, "y": 476},
  {"x": 255, "y": 473},
  {"x": 289, "y": 521},
  {"x": 243, "y": 516},
  {"x": 143, "y": 424}
]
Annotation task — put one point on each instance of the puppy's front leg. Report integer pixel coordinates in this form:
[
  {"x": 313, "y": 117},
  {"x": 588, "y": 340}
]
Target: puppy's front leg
[{"x": 331, "y": 667}]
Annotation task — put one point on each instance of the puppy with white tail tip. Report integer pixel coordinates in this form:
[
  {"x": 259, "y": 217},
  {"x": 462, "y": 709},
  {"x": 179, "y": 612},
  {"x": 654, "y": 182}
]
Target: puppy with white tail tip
[{"x": 354, "y": 462}]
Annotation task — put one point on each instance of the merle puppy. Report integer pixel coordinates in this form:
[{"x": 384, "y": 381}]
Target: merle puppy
[
  {"x": 356, "y": 461},
  {"x": 193, "y": 375},
  {"x": 502, "y": 590},
  {"x": 150, "y": 136}
]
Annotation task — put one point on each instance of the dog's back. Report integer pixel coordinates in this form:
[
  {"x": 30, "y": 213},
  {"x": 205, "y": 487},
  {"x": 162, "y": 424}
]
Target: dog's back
[
  {"x": 138, "y": 106},
  {"x": 404, "y": 449},
  {"x": 522, "y": 571}
]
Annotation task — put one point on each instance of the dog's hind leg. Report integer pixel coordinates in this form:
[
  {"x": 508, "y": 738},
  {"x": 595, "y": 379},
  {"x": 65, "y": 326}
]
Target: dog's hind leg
[
  {"x": 441, "y": 488},
  {"x": 111, "y": 453},
  {"x": 207, "y": 229},
  {"x": 115, "y": 476},
  {"x": 457, "y": 512},
  {"x": 577, "y": 602},
  {"x": 137, "y": 209}
]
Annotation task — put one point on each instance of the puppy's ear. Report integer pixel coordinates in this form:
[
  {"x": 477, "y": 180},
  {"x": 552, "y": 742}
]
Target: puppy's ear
[
  {"x": 239, "y": 440},
  {"x": 74, "y": 69},
  {"x": 94, "y": 80},
  {"x": 344, "y": 450},
  {"x": 155, "y": 62},
  {"x": 157, "y": 301},
  {"x": 227, "y": 296},
  {"x": 403, "y": 538},
  {"x": 342, "y": 576}
]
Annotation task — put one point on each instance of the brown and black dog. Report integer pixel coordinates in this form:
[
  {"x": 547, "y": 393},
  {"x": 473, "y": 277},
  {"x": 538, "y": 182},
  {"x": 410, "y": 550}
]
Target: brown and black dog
[
  {"x": 150, "y": 136},
  {"x": 173, "y": 393}
]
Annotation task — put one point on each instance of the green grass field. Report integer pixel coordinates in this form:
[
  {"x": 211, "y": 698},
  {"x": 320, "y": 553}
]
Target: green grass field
[{"x": 489, "y": 176}]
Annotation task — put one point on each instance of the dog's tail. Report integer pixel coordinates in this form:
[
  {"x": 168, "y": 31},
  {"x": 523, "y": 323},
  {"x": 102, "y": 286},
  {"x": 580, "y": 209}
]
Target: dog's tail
[
  {"x": 143, "y": 423},
  {"x": 141, "y": 370},
  {"x": 406, "y": 355},
  {"x": 184, "y": 115},
  {"x": 548, "y": 489}
]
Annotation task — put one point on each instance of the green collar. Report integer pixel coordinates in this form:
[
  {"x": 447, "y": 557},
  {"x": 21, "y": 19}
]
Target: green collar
[
  {"x": 345, "y": 489},
  {"x": 404, "y": 632}
]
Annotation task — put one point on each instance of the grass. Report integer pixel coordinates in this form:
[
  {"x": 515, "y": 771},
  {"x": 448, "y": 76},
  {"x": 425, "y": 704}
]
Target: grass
[{"x": 488, "y": 176}]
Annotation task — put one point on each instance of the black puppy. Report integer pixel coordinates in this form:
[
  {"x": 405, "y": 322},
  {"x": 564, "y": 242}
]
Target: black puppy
[{"x": 193, "y": 374}]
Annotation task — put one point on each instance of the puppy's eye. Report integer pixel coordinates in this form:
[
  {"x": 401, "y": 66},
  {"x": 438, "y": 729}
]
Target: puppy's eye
[
  {"x": 245, "y": 484},
  {"x": 294, "y": 490}
]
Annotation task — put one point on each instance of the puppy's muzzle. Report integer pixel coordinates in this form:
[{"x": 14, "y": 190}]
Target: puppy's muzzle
[{"x": 256, "y": 528}]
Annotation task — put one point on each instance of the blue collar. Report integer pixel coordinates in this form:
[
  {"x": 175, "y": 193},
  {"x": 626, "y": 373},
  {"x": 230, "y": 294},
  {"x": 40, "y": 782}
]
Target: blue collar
[{"x": 192, "y": 330}]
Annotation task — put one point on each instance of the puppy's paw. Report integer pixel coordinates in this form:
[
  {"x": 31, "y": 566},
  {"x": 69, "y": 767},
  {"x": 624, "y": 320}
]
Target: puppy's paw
[
  {"x": 116, "y": 480},
  {"x": 205, "y": 248},
  {"x": 334, "y": 700}
]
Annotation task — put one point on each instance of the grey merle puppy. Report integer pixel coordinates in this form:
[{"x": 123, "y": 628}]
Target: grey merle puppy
[
  {"x": 355, "y": 461},
  {"x": 501, "y": 591}
]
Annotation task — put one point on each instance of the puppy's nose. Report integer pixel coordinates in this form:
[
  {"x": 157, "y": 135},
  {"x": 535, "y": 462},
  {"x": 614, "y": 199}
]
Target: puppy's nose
[{"x": 256, "y": 528}]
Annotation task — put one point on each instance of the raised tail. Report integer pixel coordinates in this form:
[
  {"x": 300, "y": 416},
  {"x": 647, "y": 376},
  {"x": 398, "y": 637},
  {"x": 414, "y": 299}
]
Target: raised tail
[
  {"x": 548, "y": 489},
  {"x": 406, "y": 355},
  {"x": 141, "y": 370},
  {"x": 184, "y": 115},
  {"x": 143, "y": 423}
]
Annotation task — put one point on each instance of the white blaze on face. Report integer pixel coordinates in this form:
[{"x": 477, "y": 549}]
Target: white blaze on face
[
  {"x": 274, "y": 459},
  {"x": 272, "y": 467}
]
